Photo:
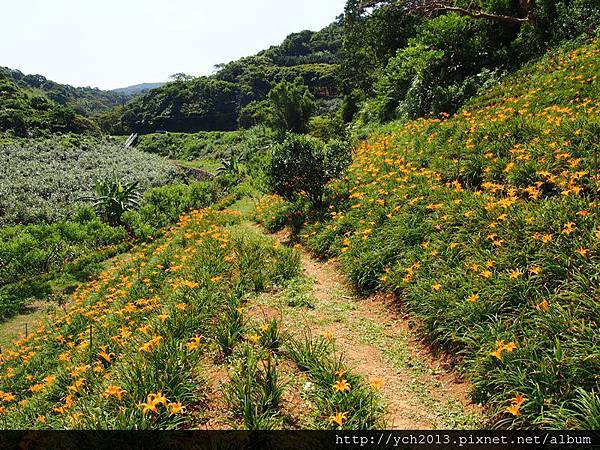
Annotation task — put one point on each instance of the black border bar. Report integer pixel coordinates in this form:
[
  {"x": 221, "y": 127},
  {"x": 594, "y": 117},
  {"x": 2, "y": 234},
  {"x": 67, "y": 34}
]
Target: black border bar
[{"x": 298, "y": 440}]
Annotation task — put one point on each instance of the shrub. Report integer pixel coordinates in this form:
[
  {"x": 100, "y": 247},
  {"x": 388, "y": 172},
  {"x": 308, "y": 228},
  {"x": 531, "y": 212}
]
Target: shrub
[
  {"x": 351, "y": 105},
  {"x": 255, "y": 113},
  {"x": 163, "y": 206},
  {"x": 190, "y": 146},
  {"x": 443, "y": 66},
  {"x": 302, "y": 166},
  {"x": 326, "y": 128},
  {"x": 33, "y": 258}
]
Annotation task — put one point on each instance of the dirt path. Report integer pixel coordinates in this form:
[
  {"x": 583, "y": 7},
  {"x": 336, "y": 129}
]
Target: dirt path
[{"x": 420, "y": 391}]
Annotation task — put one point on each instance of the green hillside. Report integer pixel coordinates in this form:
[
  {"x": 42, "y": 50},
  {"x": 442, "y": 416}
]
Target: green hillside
[
  {"x": 32, "y": 105},
  {"x": 26, "y": 112},
  {"x": 486, "y": 227},
  {"x": 84, "y": 100},
  {"x": 137, "y": 88}
]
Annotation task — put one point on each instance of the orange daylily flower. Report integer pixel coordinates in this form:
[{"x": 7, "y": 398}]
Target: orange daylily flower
[
  {"x": 114, "y": 391},
  {"x": 376, "y": 383},
  {"x": 339, "y": 418},
  {"x": 341, "y": 386},
  {"x": 194, "y": 343},
  {"x": 175, "y": 408}
]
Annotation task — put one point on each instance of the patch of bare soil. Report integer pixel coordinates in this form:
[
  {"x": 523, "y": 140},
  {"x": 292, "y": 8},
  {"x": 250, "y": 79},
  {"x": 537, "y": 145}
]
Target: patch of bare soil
[
  {"x": 400, "y": 384},
  {"x": 215, "y": 412}
]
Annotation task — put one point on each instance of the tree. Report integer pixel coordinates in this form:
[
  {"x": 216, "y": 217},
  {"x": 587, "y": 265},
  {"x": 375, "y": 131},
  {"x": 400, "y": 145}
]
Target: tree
[
  {"x": 436, "y": 6},
  {"x": 470, "y": 9},
  {"x": 180, "y": 76},
  {"x": 255, "y": 113},
  {"x": 293, "y": 105},
  {"x": 302, "y": 165},
  {"x": 371, "y": 38},
  {"x": 204, "y": 103}
]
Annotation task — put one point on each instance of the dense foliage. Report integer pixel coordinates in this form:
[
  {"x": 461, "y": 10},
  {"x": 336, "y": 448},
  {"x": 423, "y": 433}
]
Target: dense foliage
[
  {"x": 207, "y": 150},
  {"x": 408, "y": 64},
  {"x": 25, "y": 113},
  {"x": 84, "y": 100},
  {"x": 232, "y": 96},
  {"x": 303, "y": 166},
  {"x": 292, "y": 105},
  {"x": 45, "y": 261},
  {"x": 200, "y": 104},
  {"x": 308, "y": 47},
  {"x": 33, "y": 105}
]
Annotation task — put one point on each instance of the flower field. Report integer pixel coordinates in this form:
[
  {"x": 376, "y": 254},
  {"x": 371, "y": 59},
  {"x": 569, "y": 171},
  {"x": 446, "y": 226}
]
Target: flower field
[
  {"x": 130, "y": 349},
  {"x": 124, "y": 354},
  {"x": 486, "y": 225}
]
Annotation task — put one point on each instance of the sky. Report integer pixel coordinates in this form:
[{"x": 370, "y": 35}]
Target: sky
[{"x": 116, "y": 43}]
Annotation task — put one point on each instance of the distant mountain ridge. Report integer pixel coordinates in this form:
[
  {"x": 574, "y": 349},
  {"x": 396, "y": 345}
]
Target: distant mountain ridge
[
  {"x": 137, "y": 88},
  {"x": 31, "y": 103}
]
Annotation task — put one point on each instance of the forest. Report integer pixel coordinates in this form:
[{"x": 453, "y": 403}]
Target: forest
[{"x": 392, "y": 222}]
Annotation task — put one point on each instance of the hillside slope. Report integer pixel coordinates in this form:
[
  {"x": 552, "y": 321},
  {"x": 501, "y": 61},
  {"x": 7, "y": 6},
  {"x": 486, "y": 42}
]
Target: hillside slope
[
  {"x": 164, "y": 338},
  {"x": 26, "y": 112},
  {"x": 486, "y": 227},
  {"x": 33, "y": 105}
]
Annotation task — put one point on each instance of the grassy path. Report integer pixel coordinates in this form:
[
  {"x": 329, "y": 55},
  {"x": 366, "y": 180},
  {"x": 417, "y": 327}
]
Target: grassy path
[{"x": 420, "y": 391}]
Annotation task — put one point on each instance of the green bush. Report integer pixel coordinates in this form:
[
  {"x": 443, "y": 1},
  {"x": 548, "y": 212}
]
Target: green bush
[
  {"x": 326, "y": 128},
  {"x": 33, "y": 256},
  {"x": 443, "y": 65},
  {"x": 409, "y": 67},
  {"x": 189, "y": 146},
  {"x": 303, "y": 165},
  {"x": 255, "y": 113}
]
